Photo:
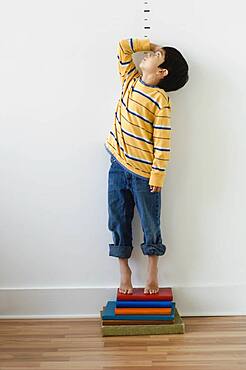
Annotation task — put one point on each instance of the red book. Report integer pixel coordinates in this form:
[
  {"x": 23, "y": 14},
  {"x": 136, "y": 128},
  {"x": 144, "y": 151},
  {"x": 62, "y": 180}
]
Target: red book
[{"x": 164, "y": 294}]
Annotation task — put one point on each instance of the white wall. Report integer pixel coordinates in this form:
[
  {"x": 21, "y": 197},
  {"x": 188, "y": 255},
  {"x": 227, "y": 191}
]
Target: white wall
[{"x": 58, "y": 90}]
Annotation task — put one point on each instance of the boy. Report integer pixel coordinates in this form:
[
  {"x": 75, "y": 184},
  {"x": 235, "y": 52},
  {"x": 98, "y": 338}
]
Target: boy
[{"x": 139, "y": 148}]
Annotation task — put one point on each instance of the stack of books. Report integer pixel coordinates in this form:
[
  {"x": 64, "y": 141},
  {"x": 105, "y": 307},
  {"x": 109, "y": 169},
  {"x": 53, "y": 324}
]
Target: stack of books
[{"x": 140, "y": 314}]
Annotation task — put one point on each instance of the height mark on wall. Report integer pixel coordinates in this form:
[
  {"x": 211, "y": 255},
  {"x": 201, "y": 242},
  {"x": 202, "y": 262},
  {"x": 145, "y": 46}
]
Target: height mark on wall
[{"x": 146, "y": 19}]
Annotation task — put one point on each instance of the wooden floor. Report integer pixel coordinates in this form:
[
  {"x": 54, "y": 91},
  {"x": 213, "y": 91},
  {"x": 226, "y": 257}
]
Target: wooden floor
[{"x": 209, "y": 343}]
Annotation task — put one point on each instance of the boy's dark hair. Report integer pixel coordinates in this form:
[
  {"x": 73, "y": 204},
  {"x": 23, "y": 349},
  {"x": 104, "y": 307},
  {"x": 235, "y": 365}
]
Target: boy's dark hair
[{"x": 177, "y": 68}]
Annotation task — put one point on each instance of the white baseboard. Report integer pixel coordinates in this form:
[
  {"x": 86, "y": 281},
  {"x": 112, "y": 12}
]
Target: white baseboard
[{"x": 32, "y": 303}]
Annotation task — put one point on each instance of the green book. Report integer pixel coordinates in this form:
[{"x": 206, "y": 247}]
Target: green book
[{"x": 177, "y": 327}]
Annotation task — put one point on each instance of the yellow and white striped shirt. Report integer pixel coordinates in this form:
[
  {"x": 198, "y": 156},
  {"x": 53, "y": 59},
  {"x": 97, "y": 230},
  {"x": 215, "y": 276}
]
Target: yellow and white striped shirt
[{"x": 140, "y": 135}]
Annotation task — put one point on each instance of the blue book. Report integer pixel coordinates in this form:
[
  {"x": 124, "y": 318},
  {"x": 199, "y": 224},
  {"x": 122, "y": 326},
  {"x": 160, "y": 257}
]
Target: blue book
[
  {"x": 144, "y": 304},
  {"x": 109, "y": 314}
]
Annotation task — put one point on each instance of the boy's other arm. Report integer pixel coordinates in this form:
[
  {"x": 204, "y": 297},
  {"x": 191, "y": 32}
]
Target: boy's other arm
[
  {"x": 162, "y": 145},
  {"x": 126, "y": 47}
]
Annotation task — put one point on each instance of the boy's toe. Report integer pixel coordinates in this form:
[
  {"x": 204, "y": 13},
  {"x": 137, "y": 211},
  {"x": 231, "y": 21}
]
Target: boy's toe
[{"x": 122, "y": 291}]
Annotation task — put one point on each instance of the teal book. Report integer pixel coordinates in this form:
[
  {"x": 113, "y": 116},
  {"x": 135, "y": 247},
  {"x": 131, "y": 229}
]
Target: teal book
[{"x": 108, "y": 313}]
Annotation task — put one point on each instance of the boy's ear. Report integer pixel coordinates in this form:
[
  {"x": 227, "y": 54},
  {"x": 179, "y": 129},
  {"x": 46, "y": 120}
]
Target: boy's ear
[
  {"x": 166, "y": 72},
  {"x": 163, "y": 72}
]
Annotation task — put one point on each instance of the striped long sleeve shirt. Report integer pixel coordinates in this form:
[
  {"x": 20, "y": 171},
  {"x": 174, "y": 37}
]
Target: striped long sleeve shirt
[{"x": 140, "y": 135}]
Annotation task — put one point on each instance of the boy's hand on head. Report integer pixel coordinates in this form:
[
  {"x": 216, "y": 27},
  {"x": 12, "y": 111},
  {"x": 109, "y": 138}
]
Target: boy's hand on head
[
  {"x": 154, "y": 47},
  {"x": 155, "y": 188}
]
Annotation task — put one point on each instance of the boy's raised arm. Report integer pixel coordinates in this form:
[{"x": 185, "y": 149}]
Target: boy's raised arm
[{"x": 126, "y": 47}]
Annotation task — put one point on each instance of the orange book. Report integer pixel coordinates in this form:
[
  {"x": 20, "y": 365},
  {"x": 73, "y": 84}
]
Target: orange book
[{"x": 143, "y": 311}]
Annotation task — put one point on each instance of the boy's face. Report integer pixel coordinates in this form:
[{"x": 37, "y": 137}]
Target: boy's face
[{"x": 152, "y": 59}]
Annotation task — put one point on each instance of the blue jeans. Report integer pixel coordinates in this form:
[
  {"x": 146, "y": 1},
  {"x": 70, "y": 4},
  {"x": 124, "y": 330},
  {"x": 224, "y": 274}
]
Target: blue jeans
[{"x": 125, "y": 189}]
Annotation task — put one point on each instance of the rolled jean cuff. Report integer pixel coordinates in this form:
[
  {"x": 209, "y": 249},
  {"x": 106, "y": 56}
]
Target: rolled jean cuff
[
  {"x": 153, "y": 249},
  {"x": 122, "y": 251}
]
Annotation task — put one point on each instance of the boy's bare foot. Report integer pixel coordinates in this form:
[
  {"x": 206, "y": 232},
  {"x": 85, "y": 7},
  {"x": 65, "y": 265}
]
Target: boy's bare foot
[
  {"x": 125, "y": 280},
  {"x": 152, "y": 286}
]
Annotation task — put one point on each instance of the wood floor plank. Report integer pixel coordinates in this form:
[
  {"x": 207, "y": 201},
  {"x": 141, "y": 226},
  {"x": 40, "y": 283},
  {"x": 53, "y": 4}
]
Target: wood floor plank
[{"x": 209, "y": 343}]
